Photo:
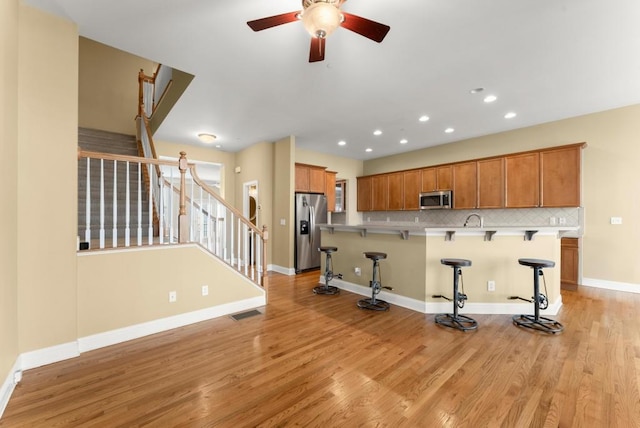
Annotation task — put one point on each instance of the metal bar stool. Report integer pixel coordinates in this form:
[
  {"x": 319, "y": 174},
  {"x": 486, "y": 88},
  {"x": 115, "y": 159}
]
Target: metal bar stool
[
  {"x": 328, "y": 273},
  {"x": 376, "y": 285},
  {"x": 455, "y": 320},
  {"x": 540, "y": 301}
]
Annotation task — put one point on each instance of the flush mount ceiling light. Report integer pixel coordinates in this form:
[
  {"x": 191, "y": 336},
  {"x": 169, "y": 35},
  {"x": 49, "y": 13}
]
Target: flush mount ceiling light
[{"x": 207, "y": 138}]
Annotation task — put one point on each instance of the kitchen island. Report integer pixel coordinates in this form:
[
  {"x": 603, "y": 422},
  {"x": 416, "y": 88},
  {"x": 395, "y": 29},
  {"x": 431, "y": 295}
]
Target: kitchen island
[{"x": 414, "y": 270}]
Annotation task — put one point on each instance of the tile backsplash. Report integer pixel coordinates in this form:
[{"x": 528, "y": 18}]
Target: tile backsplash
[{"x": 493, "y": 217}]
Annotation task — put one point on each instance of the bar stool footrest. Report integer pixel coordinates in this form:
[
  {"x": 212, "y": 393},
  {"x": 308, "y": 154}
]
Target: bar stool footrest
[
  {"x": 326, "y": 289},
  {"x": 460, "y": 322},
  {"x": 543, "y": 324},
  {"x": 373, "y": 304}
]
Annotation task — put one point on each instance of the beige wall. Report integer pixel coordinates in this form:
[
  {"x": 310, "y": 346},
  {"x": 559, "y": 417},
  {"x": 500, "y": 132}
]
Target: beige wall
[
  {"x": 347, "y": 169},
  {"x": 610, "y": 180},
  {"x": 8, "y": 189},
  {"x": 205, "y": 154},
  {"x": 120, "y": 289},
  {"x": 283, "y": 184},
  {"x": 109, "y": 87},
  {"x": 47, "y": 179},
  {"x": 256, "y": 164}
]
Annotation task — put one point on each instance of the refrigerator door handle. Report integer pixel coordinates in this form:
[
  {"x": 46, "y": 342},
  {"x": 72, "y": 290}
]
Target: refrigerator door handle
[{"x": 312, "y": 227}]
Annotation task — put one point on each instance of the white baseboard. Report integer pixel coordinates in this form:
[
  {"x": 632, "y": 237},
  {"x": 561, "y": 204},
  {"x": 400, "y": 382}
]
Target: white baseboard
[
  {"x": 282, "y": 270},
  {"x": 611, "y": 285},
  {"x": 124, "y": 334},
  {"x": 50, "y": 355},
  {"x": 445, "y": 307},
  {"x": 9, "y": 385}
]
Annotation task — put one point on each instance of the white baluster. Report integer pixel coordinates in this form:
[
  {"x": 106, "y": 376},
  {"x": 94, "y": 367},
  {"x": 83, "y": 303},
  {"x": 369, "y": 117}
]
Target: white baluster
[
  {"x": 231, "y": 238},
  {"x": 150, "y": 198},
  {"x": 101, "y": 203},
  {"x": 139, "y": 231},
  {"x": 87, "y": 231},
  {"x": 202, "y": 218},
  {"x": 245, "y": 233},
  {"x": 193, "y": 218},
  {"x": 114, "y": 232},
  {"x": 209, "y": 231},
  {"x": 127, "y": 213},
  {"x": 239, "y": 254},
  {"x": 161, "y": 210},
  {"x": 171, "y": 213}
]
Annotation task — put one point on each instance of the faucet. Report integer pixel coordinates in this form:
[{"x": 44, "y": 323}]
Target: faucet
[{"x": 466, "y": 222}]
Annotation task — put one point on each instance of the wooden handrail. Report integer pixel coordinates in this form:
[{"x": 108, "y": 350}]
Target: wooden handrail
[{"x": 138, "y": 159}]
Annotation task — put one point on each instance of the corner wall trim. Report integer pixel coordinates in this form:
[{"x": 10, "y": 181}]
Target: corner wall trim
[
  {"x": 611, "y": 285},
  {"x": 9, "y": 385},
  {"x": 124, "y": 334},
  {"x": 282, "y": 270}
]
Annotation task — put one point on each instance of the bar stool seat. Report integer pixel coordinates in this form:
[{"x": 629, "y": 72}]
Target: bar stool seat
[
  {"x": 373, "y": 303},
  {"x": 328, "y": 274},
  {"x": 535, "y": 321},
  {"x": 455, "y": 320}
]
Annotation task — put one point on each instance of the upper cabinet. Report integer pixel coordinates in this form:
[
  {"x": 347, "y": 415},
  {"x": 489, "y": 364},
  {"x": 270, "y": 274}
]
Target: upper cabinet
[
  {"x": 380, "y": 193},
  {"x": 396, "y": 191},
  {"x": 412, "y": 188},
  {"x": 364, "y": 193},
  {"x": 560, "y": 177},
  {"x": 522, "y": 174},
  {"x": 330, "y": 191},
  {"x": 465, "y": 179},
  {"x": 437, "y": 178},
  {"x": 491, "y": 183},
  {"x": 310, "y": 178}
]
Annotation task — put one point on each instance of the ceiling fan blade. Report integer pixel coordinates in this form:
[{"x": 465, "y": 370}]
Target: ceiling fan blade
[
  {"x": 273, "y": 21},
  {"x": 316, "y": 53},
  {"x": 365, "y": 27}
]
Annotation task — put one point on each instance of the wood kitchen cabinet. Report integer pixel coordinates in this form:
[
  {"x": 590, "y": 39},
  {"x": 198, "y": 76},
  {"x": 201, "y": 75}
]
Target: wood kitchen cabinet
[
  {"x": 364, "y": 193},
  {"x": 437, "y": 178},
  {"x": 330, "y": 190},
  {"x": 569, "y": 263},
  {"x": 396, "y": 191},
  {"x": 491, "y": 183},
  {"x": 560, "y": 177},
  {"x": 465, "y": 181},
  {"x": 522, "y": 177},
  {"x": 310, "y": 178},
  {"x": 380, "y": 192},
  {"x": 412, "y": 188}
]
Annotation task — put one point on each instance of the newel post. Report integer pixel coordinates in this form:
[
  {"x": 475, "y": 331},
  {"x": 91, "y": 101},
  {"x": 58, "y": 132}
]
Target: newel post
[{"x": 183, "y": 225}]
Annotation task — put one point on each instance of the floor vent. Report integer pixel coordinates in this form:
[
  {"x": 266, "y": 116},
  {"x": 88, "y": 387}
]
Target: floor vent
[{"x": 247, "y": 314}]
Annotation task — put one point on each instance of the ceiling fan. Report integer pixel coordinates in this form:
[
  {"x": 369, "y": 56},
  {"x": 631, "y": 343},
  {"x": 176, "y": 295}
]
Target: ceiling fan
[{"x": 320, "y": 18}]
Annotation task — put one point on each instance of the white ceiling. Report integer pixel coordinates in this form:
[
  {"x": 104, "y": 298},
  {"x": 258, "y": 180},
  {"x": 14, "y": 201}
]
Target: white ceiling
[{"x": 543, "y": 59}]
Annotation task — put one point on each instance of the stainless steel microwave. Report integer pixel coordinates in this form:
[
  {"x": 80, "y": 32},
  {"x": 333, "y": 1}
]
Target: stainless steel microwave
[{"x": 440, "y": 200}]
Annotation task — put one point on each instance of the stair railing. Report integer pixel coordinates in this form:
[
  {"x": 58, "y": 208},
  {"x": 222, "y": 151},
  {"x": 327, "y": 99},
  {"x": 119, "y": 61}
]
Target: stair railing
[{"x": 189, "y": 211}]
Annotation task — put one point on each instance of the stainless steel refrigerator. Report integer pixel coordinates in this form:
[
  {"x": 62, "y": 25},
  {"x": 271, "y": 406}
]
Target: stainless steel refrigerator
[{"x": 311, "y": 210}]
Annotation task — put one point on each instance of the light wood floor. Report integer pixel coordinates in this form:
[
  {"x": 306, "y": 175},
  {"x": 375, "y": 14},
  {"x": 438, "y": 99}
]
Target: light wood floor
[{"x": 318, "y": 361}]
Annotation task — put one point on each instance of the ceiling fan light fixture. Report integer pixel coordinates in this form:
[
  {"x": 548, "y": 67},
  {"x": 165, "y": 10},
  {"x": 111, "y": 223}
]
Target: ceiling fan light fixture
[{"x": 321, "y": 19}]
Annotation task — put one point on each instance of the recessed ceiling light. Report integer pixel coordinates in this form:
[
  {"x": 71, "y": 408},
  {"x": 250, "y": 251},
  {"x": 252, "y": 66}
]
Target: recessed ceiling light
[
  {"x": 510, "y": 115},
  {"x": 449, "y": 130},
  {"x": 377, "y": 132},
  {"x": 423, "y": 118},
  {"x": 368, "y": 149},
  {"x": 342, "y": 143},
  {"x": 218, "y": 146},
  {"x": 207, "y": 138},
  {"x": 476, "y": 90},
  {"x": 490, "y": 98},
  {"x": 404, "y": 141}
]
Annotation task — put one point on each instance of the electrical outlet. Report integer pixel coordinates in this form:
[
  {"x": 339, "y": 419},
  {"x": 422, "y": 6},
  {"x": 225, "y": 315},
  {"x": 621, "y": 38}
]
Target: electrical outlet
[
  {"x": 562, "y": 220},
  {"x": 616, "y": 220},
  {"x": 173, "y": 296},
  {"x": 491, "y": 285},
  {"x": 417, "y": 220},
  {"x": 552, "y": 221},
  {"x": 205, "y": 290},
  {"x": 357, "y": 271}
]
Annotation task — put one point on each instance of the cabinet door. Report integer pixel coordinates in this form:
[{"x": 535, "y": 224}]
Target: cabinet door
[
  {"x": 380, "y": 192},
  {"x": 302, "y": 178},
  {"x": 317, "y": 180},
  {"x": 396, "y": 191},
  {"x": 429, "y": 179},
  {"x": 491, "y": 183},
  {"x": 569, "y": 261},
  {"x": 445, "y": 177},
  {"x": 522, "y": 174},
  {"x": 330, "y": 191},
  {"x": 560, "y": 177},
  {"x": 364, "y": 193},
  {"x": 465, "y": 185},
  {"x": 412, "y": 186}
]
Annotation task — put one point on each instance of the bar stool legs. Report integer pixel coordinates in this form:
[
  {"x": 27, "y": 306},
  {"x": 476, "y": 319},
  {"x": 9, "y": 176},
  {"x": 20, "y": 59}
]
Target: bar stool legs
[
  {"x": 535, "y": 321},
  {"x": 328, "y": 274},
  {"x": 455, "y": 320},
  {"x": 373, "y": 303}
]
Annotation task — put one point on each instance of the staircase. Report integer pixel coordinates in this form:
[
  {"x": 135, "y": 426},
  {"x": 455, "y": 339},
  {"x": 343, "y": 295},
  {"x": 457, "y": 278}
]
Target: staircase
[{"x": 113, "y": 143}]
